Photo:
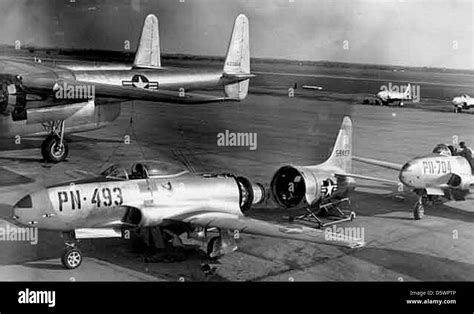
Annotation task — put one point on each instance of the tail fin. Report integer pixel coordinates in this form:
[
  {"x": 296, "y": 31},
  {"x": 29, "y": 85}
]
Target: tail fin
[
  {"x": 237, "y": 61},
  {"x": 341, "y": 155},
  {"x": 148, "y": 52}
]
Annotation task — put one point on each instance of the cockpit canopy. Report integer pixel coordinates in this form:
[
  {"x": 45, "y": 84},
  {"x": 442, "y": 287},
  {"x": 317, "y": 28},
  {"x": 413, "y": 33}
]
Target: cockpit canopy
[
  {"x": 142, "y": 170},
  {"x": 442, "y": 149}
]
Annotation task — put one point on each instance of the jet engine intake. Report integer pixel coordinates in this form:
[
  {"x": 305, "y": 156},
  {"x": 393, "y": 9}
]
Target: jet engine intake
[{"x": 459, "y": 182}]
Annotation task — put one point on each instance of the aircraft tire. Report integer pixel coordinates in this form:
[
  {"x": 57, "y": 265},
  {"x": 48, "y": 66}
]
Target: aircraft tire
[
  {"x": 71, "y": 258},
  {"x": 419, "y": 211},
  {"x": 50, "y": 149}
]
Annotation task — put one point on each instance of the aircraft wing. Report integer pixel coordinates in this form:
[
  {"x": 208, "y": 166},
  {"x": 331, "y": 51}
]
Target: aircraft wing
[
  {"x": 358, "y": 176},
  {"x": 434, "y": 191},
  {"x": 380, "y": 163},
  {"x": 46, "y": 86},
  {"x": 263, "y": 228}
]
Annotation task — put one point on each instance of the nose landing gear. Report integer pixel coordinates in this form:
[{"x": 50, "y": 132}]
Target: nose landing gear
[
  {"x": 72, "y": 256},
  {"x": 419, "y": 209}
]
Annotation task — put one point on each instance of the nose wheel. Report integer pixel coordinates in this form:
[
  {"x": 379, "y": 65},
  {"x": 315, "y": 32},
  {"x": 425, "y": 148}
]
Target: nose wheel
[
  {"x": 54, "y": 148},
  {"x": 72, "y": 257},
  {"x": 419, "y": 209}
]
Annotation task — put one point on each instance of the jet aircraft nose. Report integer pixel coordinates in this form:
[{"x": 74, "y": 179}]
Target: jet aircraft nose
[{"x": 407, "y": 174}]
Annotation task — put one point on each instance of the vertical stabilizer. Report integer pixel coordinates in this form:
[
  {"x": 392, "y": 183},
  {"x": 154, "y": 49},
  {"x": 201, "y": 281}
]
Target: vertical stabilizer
[
  {"x": 341, "y": 155},
  {"x": 237, "y": 61},
  {"x": 148, "y": 53}
]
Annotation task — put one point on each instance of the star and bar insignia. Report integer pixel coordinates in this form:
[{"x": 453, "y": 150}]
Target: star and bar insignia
[{"x": 140, "y": 81}]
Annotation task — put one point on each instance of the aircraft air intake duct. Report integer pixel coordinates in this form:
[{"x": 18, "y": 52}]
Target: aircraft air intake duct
[{"x": 459, "y": 181}]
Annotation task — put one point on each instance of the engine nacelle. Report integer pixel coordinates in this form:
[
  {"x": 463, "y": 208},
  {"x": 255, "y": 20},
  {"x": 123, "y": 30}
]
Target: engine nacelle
[
  {"x": 292, "y": 186},
  {"x": 12, "y": 101},
  {"x": 461, "y": 182}
]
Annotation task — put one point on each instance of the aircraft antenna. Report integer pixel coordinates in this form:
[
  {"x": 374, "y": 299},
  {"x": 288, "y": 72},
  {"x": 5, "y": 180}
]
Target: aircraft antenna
[{"x": 130, "y": 130}]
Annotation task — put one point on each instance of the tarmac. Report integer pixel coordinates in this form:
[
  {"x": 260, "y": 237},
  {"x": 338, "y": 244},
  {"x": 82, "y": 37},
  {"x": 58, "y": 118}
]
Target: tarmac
[{"x": 297, "y": 130}]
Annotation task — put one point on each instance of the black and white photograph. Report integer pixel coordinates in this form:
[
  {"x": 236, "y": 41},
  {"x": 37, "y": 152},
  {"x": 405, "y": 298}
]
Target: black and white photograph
[{"x": 203, "y": 141}]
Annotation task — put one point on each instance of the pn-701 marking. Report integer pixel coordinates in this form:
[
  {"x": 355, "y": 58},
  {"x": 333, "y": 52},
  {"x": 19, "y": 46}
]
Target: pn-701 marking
[
  {"x": 100, "y": 197},
  {"x": 436, "y": 167}
]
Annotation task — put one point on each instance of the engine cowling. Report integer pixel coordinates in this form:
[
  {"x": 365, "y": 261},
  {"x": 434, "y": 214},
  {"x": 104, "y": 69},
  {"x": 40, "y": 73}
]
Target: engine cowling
[
  {"x": 293, "y": 186},
  {"x": 12, "y": 100},
  {"x": 237, "y": 191}
]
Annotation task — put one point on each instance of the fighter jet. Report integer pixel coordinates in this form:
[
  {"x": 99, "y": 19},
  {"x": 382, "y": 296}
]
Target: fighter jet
[
  {"x": 153, "y": 195},
  {"x": 294, "y": 186},
  {"x": 431, "y": 176},
  {"x": 387, "y": 96},
  {"x": 462, "y": 102},
  {"x": 37, "y": 99}
]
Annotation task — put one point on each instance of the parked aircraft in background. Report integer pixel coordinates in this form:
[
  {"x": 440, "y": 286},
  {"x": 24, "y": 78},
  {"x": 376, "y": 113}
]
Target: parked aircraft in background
[
  {"x": 463, "y": 102},
  {"x": 37, "y": 100}
]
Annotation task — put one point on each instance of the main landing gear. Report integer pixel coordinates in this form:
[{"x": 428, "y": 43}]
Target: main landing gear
[
  {"x": 221, "y": 245},
  {"x": 72, "y": 256},
  {"x": 54, "y": 148}
]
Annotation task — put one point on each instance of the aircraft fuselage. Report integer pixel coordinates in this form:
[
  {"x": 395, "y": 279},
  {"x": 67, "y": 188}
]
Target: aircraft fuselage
[{"x": 433, "y": 171}]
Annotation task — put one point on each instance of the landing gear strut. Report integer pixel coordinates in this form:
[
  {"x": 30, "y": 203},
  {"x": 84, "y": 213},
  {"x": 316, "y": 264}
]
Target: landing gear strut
[
  {"x": 72, "y": 256},
  {"x": 419, "y": 209},
  {"x": 54, "y": 148},
  {"x": 221, "y": 245}
]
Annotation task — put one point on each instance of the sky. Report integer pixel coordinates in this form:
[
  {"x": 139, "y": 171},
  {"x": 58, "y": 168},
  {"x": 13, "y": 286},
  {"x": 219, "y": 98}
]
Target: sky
[{"x": 433, "y": 33}]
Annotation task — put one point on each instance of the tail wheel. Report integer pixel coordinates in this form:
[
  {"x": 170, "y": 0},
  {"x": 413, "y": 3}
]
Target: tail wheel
[
  {"x": 210, "y": 248},
  {"x": 53, "y": 151},
  {"x": 419, "y": 211},
  {"x": 71, "y": 258}
]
